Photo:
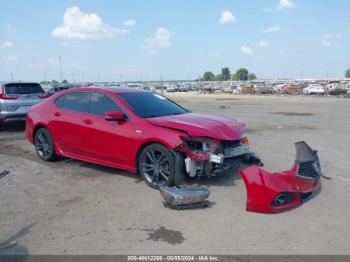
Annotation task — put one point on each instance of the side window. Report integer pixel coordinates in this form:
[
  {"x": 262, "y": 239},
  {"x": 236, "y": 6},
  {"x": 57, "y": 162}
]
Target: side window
[
  {"x": 101, "y": 104},
  {"x": 77, "y": 101},
  {"x": 59, "y": 101}
]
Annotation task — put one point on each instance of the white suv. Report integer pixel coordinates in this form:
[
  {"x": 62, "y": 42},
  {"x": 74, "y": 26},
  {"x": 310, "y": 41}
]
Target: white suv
[{"x": 17, "y": 98}]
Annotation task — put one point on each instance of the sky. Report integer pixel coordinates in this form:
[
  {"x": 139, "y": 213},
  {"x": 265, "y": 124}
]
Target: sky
[{"x": 146, "y": 40}]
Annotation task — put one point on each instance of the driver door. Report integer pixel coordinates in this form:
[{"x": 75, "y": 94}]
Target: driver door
[{"x": 106, "y": 141}]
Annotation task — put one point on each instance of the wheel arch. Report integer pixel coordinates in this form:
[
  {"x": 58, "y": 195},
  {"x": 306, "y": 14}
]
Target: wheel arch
[
  {"x": 36, "y": 128},
  {"x": 144, "y": 145}
]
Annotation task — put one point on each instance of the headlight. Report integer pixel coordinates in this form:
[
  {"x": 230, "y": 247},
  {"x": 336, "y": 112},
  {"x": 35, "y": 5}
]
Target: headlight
[{"x": 198, "y": 143}]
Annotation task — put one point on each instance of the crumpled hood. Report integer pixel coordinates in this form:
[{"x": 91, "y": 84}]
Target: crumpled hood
[{"x": 194, "y": 124}]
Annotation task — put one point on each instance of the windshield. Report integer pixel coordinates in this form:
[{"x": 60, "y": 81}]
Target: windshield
[
  {"x": 151, "y": 105},
  {"x": 23, "y": 89}
]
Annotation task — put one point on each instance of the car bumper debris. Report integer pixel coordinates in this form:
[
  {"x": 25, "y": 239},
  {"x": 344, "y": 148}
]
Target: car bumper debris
[
  {"x": 184, "y": 197},
  {"x": 4, "y": 173},
  {"x": 275, "y": 192}
]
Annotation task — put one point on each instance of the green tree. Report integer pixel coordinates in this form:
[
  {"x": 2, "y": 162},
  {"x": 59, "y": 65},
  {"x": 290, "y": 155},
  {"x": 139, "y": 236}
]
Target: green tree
[
  {"x": 219, "y": 77},
  {"x": 241, "y": 74},
  {"x": 65, "y": 82},
  {"x": 208, "y": 76},
  {"x": 226, "y": 74},
  {"x": 55, "y": 83},
  {"x": 252, "y": 76},
  {"x": 347, "y": 73}
]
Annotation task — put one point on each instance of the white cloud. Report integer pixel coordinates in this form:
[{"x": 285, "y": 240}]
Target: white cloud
[
  {"x": 227, "y": 18},
  {"x": 286, "y": 4},
  {"x": 247, "y": 50},
  {"x": 12, "y": 59},
  {"x": 161, "y": 39},
  {"x": 327, "y": 40},
  {"x": 7, "y": 44},
  {"x": 129, "y": 23},
  {"x": 272, "y": 29},
  {"x": 263, "y": 44},
  {"x": 83, "y": 26}
]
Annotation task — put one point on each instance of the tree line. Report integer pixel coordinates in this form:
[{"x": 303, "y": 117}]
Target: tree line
[
  {"x": 241, "y": 74},
  {"x": 55, "y": 82},
  {"x": 347, "y": 73}
]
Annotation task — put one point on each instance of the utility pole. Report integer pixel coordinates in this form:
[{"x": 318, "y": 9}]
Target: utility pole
[
  {"x": 60, "y": 64},
  {"x": 11, "y": 76},
  {"x": 73, "y": 77},
  {"x": 44, "y": 77}
]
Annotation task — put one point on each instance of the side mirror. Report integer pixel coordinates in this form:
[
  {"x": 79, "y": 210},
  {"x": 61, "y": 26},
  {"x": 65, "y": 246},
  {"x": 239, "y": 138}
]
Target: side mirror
[{"x": 115, "y": 116}]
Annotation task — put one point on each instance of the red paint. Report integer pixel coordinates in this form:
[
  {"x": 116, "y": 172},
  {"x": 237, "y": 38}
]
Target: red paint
[
  {"x": 117, "y": 143},
  {"x": 262, "y": 188},
  {"x": 194, "y": 124}
]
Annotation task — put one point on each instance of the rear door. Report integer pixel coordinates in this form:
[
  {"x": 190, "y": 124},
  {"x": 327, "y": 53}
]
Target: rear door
[
  {"x": 23, "y": 96},
  {"x": 69, "y": 122}
]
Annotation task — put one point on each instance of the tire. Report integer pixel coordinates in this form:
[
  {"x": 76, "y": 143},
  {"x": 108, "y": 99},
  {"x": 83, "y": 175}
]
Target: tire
[
  {"x": 44, "y": 145},
  {"x": 156, "y": 165}
]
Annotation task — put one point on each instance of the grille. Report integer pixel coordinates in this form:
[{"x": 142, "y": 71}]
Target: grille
[{"x": 310, "y": 169}]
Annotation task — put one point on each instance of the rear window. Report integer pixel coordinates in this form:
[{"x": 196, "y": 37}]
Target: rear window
[
  {"x": 77, "y": 101},
  {"x": 23, "y": 89}
]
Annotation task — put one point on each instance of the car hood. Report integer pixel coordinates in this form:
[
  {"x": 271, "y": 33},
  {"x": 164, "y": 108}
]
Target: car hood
[{"x": 194, "y": 124}]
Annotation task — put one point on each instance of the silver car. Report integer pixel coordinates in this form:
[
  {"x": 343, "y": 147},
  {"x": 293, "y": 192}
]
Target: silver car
[{"x": 17, "y": 98}]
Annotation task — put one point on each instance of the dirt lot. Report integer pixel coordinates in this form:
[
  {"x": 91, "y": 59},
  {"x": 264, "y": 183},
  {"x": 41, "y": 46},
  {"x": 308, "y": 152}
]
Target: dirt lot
[{"x": 71, "y": 207}]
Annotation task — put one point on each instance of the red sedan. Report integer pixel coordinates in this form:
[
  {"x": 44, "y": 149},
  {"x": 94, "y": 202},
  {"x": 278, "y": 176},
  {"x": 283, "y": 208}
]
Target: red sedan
[{"x": 138, "y": 131}]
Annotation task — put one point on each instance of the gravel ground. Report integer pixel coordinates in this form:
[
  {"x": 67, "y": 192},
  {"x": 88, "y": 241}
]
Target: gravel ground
[{"x": 72, "y": 207}]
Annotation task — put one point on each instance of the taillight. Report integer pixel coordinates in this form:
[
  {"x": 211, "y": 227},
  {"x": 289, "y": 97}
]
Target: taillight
[
  {"x": 7, "y": 97},
  {"x": 245, "y": 141},
  {"x": 44, "y": 95}
]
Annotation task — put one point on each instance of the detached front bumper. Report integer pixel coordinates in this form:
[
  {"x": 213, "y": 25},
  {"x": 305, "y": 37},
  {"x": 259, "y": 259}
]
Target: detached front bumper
[{"x": 275, "y": 192}]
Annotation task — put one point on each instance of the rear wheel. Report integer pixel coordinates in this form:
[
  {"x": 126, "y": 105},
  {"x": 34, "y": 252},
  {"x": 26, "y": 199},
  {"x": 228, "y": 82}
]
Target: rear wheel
[
  {"x": 157, "y": 166},
  {"x": 44, "y": 145}
]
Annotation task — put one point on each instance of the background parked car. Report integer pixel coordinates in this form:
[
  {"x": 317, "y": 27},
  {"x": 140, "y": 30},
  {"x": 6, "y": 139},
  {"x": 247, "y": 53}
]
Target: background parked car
[
  {"x": 56, "y": 89},
  {"x": 17, "y": 98}
]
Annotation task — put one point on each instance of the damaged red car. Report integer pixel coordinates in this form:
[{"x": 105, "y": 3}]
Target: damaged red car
[{"x": 138, "y": 131}]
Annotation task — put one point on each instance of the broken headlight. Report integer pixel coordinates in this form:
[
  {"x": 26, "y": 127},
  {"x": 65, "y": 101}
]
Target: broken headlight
[{"x": 200, "y": 143}]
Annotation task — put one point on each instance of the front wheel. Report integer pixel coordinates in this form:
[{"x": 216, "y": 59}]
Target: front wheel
[
  {"x": 44, "y": 145},
  {"x": 157, "y": 166}
]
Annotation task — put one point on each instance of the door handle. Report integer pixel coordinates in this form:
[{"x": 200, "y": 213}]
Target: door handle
[
  {"x": 57, "y": 114},
  {"x": 87, "y": 121}
]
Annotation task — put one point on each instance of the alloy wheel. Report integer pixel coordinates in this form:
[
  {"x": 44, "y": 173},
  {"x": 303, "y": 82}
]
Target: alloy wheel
[
  {"x": 43, "y": 145},
  {"x": 156, "y": 167}
]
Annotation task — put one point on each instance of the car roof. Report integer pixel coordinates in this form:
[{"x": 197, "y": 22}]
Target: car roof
[{"x": 18, "y": 82}]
